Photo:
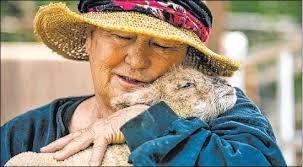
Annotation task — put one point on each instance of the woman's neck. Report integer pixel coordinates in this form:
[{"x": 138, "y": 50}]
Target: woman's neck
[
  {"x": 87, "y": 112},
  {"x": 101, "y": 109}
]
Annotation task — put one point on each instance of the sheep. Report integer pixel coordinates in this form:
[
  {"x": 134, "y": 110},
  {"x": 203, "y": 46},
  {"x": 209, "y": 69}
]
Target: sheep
[{"x": 188, "y": 92}]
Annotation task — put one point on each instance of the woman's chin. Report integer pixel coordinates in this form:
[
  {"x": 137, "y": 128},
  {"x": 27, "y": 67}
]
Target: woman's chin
[{"x": 116, "y": 90}]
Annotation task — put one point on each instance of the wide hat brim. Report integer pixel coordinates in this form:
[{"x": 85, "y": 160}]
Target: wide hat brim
[{"x": 64, "y": 31}]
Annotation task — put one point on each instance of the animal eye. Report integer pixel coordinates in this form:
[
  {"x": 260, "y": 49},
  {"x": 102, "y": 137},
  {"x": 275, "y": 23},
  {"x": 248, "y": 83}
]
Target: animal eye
[{"x": 185, "y": 85}]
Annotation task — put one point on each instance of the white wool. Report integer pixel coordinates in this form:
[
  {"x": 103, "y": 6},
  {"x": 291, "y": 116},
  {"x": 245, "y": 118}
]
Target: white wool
[{"x": 115, "y": 155}]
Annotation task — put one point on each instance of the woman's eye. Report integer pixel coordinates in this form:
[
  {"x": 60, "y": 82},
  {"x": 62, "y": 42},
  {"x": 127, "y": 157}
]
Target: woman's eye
[
  {"x": 161, "y": 46},
  {"x": 122, "y": 37}
]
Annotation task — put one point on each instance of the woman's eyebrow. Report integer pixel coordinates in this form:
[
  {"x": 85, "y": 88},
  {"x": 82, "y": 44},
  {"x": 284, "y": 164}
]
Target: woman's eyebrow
[{"x": 122, "y": 33}]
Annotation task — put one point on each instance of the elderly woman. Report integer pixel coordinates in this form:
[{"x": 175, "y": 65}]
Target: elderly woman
[{"x": 129, "y": 44}]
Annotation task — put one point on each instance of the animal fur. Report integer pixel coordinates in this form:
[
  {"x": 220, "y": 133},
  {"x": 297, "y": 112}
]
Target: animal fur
[{"x": 187, "y": 91}]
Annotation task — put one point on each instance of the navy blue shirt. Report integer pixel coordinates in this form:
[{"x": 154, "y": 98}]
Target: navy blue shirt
[{"x": 241, "y": 136}]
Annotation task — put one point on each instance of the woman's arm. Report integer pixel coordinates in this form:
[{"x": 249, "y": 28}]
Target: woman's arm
[{"x": 241, "y": 136}]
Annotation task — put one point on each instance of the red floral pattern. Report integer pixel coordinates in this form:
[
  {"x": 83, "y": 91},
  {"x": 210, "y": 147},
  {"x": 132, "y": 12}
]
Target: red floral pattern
[{"x": 168, "y": 11}]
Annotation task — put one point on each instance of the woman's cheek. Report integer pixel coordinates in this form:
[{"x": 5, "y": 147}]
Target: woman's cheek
[
  {"x": 159, "y": 67},
  {"x": 109, "y": 55},
  {"x": 100, "y": 74},
  {"x": 103, "y": 78}
]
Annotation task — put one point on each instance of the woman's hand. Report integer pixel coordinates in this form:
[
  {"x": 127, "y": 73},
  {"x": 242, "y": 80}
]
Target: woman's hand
[{"x": 101, "y": 133}]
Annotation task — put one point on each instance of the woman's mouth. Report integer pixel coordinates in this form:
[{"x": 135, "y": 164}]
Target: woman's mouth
[{"x": 129, "y": 82}]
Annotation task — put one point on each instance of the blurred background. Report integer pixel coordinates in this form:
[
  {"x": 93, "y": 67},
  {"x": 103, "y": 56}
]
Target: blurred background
[{"x": 266, "y": 36}]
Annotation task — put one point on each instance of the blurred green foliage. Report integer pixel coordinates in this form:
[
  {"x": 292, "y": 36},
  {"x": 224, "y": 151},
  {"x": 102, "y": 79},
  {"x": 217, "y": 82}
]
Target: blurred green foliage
[
  {"x": 10, "y": 8},
  {"x": 18, "y": 37},
  {"x": 260, "y": 37},
  {"x": 72, "y": 4},
  {"x": 269, "y": 91},
  {"x": 270, "y": 8},
  {"x": 21, "y": 14}
]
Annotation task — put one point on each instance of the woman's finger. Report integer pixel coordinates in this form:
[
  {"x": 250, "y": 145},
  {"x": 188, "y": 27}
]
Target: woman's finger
[
  {"x": 99, "y": 149},
  {"x": 77, "y": 144},
  {"x": 59, "y": 144}
]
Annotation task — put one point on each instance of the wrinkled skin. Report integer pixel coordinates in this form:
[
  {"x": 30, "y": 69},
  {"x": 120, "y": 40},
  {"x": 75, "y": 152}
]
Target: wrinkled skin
[{"x": 114, "y": 55}]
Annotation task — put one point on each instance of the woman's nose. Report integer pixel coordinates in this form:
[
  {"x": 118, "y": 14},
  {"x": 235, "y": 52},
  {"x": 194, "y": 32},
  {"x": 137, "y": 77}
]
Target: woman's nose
[{"x": 137, "y": 56}]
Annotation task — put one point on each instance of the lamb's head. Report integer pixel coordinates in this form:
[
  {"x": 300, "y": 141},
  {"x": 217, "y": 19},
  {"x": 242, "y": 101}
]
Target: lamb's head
[{"x": 191, "y": 93}]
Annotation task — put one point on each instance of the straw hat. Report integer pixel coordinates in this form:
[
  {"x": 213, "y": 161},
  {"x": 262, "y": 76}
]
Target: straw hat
[{"x": 64, "y": 31}]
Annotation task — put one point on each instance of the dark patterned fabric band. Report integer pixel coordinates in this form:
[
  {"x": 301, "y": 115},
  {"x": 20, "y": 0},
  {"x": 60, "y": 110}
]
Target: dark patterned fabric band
[{"x": 189, "y": 14}]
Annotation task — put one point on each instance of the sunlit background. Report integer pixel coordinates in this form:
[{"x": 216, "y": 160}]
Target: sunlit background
[{"x": 264, "y": 35}]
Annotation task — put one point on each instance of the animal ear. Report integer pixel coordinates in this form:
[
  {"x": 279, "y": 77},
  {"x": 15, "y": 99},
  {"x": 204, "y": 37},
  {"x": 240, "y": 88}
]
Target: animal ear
[{"x": 185, "y": 85}]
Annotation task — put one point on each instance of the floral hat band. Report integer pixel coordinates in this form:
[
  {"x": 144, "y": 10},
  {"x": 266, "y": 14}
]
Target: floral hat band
[{"x": 199, "y": 19}]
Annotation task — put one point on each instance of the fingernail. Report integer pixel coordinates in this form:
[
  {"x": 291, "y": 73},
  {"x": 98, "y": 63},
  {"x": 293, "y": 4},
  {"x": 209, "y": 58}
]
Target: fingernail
[{"x": 42, "y": 148}]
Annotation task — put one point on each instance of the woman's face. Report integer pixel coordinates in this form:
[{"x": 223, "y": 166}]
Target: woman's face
[{"x": 121, "y": 62}]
